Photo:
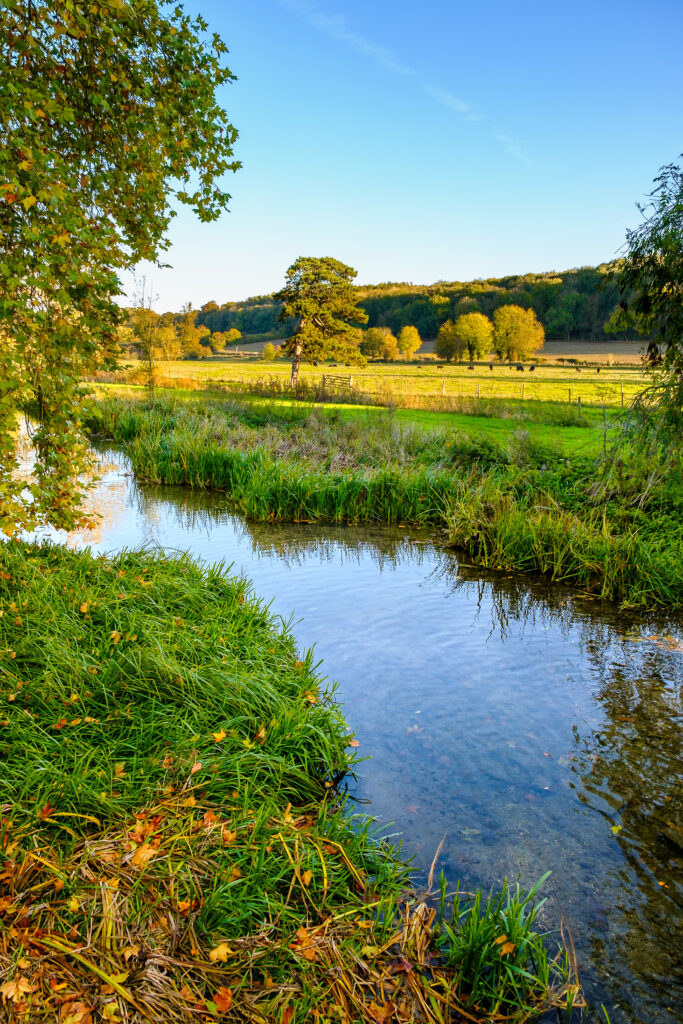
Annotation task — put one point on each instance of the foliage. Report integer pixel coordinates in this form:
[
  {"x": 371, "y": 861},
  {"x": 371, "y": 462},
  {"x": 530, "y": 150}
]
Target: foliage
[
  {"x": 379, "y": 343},
  {"x": 570, "y": 304},
  {"x": 449, "y": 343},
  {"x": 409, "y": 341},
  {"x": 476, "y": 331},
  {"x": 109, "y": 113},
  {"x": 319, "y": 293},
  {"x": 517, "y": 333},
  {"x": 268, "y": 352},
  {"x": 650, "y": 276}
]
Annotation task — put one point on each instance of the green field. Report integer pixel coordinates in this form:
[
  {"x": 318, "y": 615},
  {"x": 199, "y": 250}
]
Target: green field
[{"x": 612, "y": 386}]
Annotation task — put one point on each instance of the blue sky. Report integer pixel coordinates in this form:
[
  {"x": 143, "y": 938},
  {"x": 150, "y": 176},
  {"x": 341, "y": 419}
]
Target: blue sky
[{"x": 434, "y": 140}]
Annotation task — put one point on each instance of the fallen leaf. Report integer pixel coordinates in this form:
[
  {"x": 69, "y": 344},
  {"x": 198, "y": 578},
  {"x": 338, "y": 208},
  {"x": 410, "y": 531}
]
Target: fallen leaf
[
  {"x": 220, "y": 735},
  {"x": 128, "y": 952},
  {"x": 223, "y": 999},
  {"x": 380, "y": 1013},
  {"x": 75, "y": 1013},
  {"x": 616, "y": 829},
  {"x": 304, "y": 944},
  {"x": 507, "y": 948},
  {"x": 84, "y": 608},
  {"x": 167, "y": 762},
  {"x": 143, "y": 855},
  {"x": 306, "y": 877},
  {"x": 287, "y": 1014},
  {"x": 500, "y": 940},
  {"x": 60, "y": 724},
  {"x": 185, "y": 993},
  {"x": 46, "y": 811},
  {"x": 16, "y": 990},
  {"x": 120, "y": 770},
  {"x": 228, "y": 836},
  {"x": 353, "y": 743},
  {"x": 220, "y": 953},
  {"x": 196, "y": 767},
  {"x": 73, "y": 905}
]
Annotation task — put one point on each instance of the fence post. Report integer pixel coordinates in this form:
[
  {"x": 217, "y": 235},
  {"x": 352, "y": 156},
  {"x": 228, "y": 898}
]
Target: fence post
[
  {"x": 570, "y": 396},
  {"x": 324, "y": 381},
  {"x": 443, "y": 387},
  {"x": 477, "y": 389},
  {"x": 350, "y": 380},
  {"x": 522, "y": 390},
  {"x": 622, "y": 394},
  {"x": 579, "y": 406}
]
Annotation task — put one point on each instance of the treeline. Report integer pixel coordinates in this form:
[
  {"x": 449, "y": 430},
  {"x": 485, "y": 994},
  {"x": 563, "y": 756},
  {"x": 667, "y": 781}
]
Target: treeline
[{"x": 571, "y": 304}]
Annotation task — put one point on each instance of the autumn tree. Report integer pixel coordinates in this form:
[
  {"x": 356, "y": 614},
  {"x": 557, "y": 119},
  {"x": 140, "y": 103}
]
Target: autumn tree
[
  {"x": 476, "y": 332},
  {"x": 145, "y": 323},
  {"x": 110, "y": 120},
  {"x": 517, "y": 333},
  {"x": 409, "y": 342},
  {"x": 449, "y": 345},
  {"x": 379, "y": 343},
  {"x": 319, "y": 293},
  {"x": 268, "y": 353}
]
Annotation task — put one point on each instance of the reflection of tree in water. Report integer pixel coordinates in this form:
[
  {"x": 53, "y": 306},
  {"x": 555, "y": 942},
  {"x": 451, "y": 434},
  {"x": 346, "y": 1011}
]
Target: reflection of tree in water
[{"x": 629, "y": 771}]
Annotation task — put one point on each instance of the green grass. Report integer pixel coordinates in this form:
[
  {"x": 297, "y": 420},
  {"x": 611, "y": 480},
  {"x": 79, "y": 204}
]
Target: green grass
[
  {"x": 517, "y": 501},
  {"x": 173, "y": 844}
]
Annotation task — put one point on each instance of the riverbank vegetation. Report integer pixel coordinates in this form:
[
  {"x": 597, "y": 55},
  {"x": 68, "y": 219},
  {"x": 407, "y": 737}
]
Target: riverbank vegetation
[
  {"x": 521, "y": 504},
  {"x": 174, "y": 842}
]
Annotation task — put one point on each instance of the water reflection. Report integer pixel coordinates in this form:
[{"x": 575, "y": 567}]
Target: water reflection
[{"x": 535, "y": 730}]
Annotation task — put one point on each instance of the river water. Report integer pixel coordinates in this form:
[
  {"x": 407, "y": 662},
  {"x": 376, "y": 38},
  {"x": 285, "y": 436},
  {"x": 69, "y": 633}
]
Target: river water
[{"x": 533, "y": 729}]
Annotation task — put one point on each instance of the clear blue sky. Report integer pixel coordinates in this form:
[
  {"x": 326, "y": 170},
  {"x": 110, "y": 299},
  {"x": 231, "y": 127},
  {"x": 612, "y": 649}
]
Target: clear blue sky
[{"x": 432, "y": 141}]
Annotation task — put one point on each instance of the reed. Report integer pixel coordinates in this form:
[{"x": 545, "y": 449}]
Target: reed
[{"x": 521, "y": 505}]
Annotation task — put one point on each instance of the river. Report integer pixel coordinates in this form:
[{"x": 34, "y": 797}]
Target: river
[{"x": 534, "y": 729}]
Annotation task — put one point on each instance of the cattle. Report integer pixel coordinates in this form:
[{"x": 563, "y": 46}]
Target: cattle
[
  {"x": 531, "y": 369},
  {"x": 520, "y": 367}
]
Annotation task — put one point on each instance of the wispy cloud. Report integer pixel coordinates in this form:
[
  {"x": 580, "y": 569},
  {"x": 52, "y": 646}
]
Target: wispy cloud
[{"x": 334, "y": 26}]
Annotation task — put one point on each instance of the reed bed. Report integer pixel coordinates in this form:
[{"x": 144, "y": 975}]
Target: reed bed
[
  {"x": 519, "y": 506},
  {"x": 174, "y": 843}
]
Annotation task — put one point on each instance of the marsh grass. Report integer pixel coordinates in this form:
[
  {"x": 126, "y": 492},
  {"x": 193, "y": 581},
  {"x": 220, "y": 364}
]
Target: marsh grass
[
  {"x": 501, "y": 964},
  {"x": 521, "y": 505},
  {"x": 174, "y": 845}
]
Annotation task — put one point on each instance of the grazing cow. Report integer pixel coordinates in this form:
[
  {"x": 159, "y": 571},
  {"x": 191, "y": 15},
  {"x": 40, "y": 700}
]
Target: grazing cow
[
  {"x": 490, "y": 366},
  {"x": 578, "y": 369},
  {"x": 598, "y": 369},
  {"x": 520, "y": 367},
  {"x": 471, "y": 366},
  {"x": 531, "y": 369}
]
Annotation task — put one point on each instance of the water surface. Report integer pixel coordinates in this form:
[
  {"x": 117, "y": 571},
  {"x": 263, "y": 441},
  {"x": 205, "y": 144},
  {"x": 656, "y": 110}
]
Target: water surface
[{"x": 534, "y": 730}]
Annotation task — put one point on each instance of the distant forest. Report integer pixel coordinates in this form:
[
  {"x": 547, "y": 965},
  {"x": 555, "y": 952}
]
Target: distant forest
[{"x": 572, "y": 304}]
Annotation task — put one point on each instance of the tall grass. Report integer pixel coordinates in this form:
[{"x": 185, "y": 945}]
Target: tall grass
[
  {"x": 173, "y": 845},
  {"x": 517, "y": 506}
]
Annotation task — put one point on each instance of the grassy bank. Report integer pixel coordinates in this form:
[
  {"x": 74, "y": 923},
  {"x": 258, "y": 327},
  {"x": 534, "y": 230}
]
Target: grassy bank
[
  {"x": 519, "y": 503},
  {"x": 173, "y": 846}
]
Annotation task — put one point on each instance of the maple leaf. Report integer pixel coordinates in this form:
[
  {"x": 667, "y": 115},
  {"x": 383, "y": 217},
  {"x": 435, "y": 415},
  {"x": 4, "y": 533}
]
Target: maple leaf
[
  {"x": 60, "y": 724},
  {"x": 228, "y": 836},
  {"x": 218, "y": 736},
  {"x": 75, "y": 1013},
  {"x": 223, "y": 999},
  {"x": 46, "y": 811},
  {"x": 143, "y": 855},
  {"x": 507, "y": 948},
  {"x": 306, "y": 877}
]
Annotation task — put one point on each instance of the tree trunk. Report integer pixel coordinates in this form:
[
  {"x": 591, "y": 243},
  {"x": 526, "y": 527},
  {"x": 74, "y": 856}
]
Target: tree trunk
[{"x": 296, "y": 358}]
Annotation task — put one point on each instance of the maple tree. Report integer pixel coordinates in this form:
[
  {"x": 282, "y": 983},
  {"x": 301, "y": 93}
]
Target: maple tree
[
  {"x": 517, "y": 332},
  {"x": 110, "y": 114}
]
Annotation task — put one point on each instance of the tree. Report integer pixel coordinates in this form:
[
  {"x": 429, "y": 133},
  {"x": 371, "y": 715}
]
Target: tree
[
  {"x": 476, "y": 332},
  {"x": 449, "y": 345},
  {"x": 146, "y": 329},
  {"x": 268, "y": 352},
  {"x": 110, "y": 118},
  {"x": 319, "y": 292},
  {"x": 517, "y": 333},
  {"x": 232, "y": 336},
  {"x": 379, "y": 343},
  {"x": 650, "y": 277},
  {"x": 409, "y": 341}
]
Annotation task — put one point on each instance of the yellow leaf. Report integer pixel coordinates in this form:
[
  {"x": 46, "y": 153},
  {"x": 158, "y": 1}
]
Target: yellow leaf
[
  {"x": 218, "y": 736},
  {"x": 120, "y": 770},
  {"x": 73, "y": 905},
  {"x": 500, "y": 940},
  {"x": 16, "y": 990},
  {"x": 507, "y": 948},
  {"x": 196, "y": 767},
  {"x": 143, "y": 855},
  {"x": 310, "y": 697},
  {"x": 128, "y": 952},
  {"x": 220, "y": 953},
  {"x": 306, "y": 877},
  {"x": 29, "y": 202},
  {"x": 84, "y": 608}
]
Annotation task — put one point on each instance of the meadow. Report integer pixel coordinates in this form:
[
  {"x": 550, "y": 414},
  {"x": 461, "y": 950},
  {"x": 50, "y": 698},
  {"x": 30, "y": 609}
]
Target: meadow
[{"x": 416, "y": 384}]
